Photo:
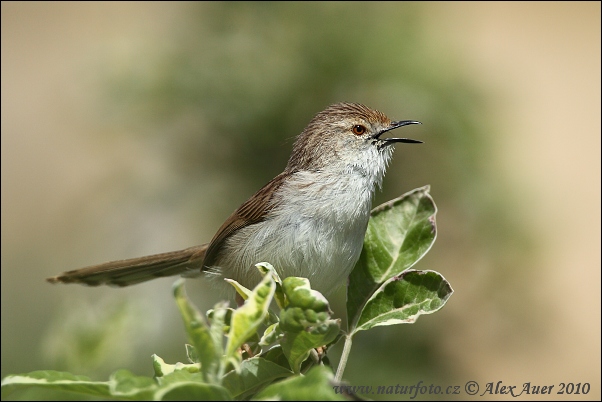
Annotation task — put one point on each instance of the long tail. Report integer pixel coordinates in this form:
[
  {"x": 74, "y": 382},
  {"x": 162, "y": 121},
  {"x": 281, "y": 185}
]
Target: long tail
[{"x": 136, "y": 270}]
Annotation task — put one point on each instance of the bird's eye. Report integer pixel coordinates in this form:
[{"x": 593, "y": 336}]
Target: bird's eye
[{"x": 358, "y": 130}]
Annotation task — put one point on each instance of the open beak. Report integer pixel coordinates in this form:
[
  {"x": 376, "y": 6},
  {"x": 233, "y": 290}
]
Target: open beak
[{"x": 394, "y": 125}]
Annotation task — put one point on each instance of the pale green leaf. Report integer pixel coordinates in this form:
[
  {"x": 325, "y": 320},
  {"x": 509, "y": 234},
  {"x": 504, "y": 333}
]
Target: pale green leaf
[
  {"x": 249, "y": 316},
  {"x": 122, "y": 384},
  {"x": 162, "y": 369},
  {"x": 218, "y": 322},
  {"x": 125, "y": 385},
  {"x": 316, "y": 385},
  {"x": 401, "y": 299},
  {"x": 54, "y": 380},
  {"x": 399, "y": 233},
  {"x": 240, "y": 289},
  {"x": 299, "y": 293},
  {"x": 270, "y": 335},
  {"x": 200, "y": 335},
  {"x": 266, "y": 268},
  {"x": 186, "y": 386},
  {"x": 191, "y": 354}
]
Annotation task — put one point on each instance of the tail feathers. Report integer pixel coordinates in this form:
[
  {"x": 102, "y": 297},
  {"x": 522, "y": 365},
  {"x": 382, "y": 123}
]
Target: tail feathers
[{"x": 135, "y": 270}]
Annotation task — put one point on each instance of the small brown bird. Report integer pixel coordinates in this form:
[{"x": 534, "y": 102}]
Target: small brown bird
[{"x": 308, "y": 221}]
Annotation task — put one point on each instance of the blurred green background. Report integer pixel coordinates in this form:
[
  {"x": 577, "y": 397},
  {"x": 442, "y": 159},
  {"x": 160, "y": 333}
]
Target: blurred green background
[{"x": 137, "y": 128}]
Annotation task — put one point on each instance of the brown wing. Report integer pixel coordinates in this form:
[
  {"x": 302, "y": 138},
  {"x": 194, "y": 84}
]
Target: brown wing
[{"x": 252, "y": 211}]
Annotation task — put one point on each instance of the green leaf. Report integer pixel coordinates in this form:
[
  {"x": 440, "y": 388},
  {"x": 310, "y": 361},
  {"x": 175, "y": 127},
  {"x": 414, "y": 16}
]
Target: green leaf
[
  {"x": 270, "y": 335},
  {"x": 401, "y": 299},
  {"x": 191, "y": 354},
  {"x": 200, "y": 335},
  {"x": 316, "y": 385},
  {"x": 253, "y": 373},
  {"x": 193, "y": 391},
  {"x": 125, "y": 385},
  {"x": 305, "y": 322},
  {"x": 399, "y": 233},
  {"x": 186, "y": 386},
  {"x": 275, "y": 355},
  {"x": 266, "y": 268},
  {"x": 218, "y": 322},
  {"x": 299, "y": 293},
  {"x": 226, "y": 319},
  {"x": 249, "y": 316},
  {"x": 122, "y": 384},
  {"x": 240, "y": 289},
  {"x": 54, "y": 380},
  {"x": 162, "y": 369},
  {"x": 298, "y": 345}
]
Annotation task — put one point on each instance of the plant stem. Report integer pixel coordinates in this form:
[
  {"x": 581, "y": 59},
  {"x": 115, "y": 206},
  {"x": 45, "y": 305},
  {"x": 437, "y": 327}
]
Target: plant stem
[{"x": 346, "y": 349}]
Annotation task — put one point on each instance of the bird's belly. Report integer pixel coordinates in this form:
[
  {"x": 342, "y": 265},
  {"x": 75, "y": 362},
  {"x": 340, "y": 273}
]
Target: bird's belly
[{"x": 317, "y": 236}]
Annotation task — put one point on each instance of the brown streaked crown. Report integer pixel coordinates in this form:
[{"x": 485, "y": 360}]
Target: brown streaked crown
[
  {"x": 350, "y": 110},
  {"x": 307, "y": 150}
]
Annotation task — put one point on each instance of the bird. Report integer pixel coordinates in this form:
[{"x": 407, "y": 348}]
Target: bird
[{"x": 309, "y": 221}]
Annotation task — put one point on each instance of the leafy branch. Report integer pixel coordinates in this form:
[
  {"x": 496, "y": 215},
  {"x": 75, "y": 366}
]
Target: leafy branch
[
  {"x": 383, "y": 289},
  {"x": 271, "y": 355}
]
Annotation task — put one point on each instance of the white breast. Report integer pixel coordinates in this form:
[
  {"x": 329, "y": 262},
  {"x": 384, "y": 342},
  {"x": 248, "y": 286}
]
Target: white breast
[{"x": 317, "y": 233}]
